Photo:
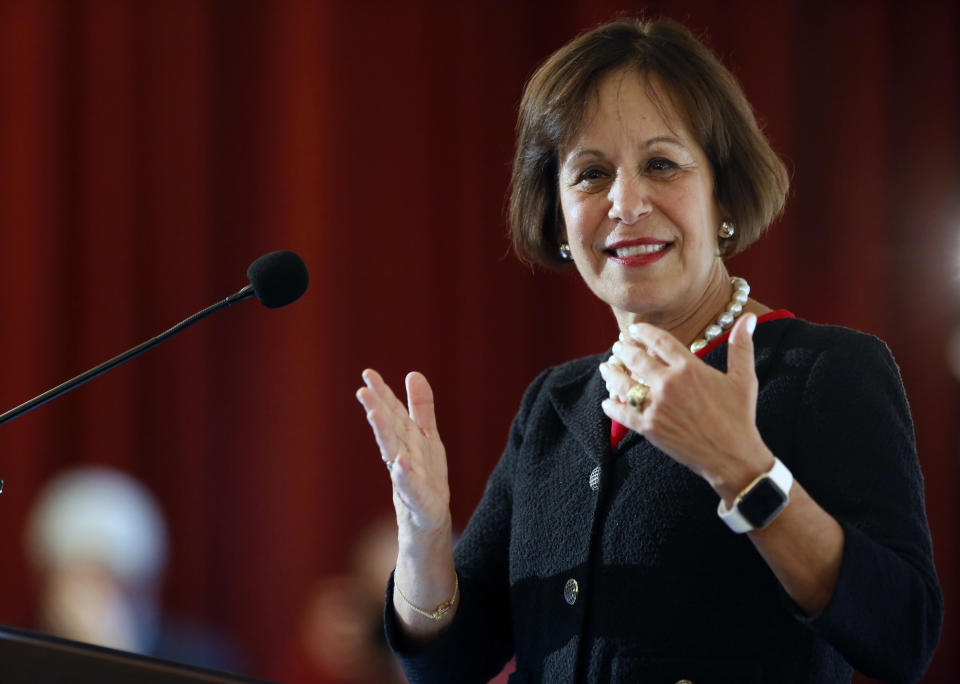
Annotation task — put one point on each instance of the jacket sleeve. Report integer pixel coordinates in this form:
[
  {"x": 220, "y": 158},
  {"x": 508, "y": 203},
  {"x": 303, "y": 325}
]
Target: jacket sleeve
[
  {"x": 479, "y": 640},
  {"x": 857, "y": 458}
]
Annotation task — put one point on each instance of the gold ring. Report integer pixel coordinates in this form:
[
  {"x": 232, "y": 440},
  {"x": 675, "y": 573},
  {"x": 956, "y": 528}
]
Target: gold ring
[{"x": 636, "y": 395}]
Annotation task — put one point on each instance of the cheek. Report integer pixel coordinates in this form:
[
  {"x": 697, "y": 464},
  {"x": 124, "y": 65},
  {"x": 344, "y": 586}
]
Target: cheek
[
  {"x": 695, "y": 212},
  {"x": 582, "y": 216}
]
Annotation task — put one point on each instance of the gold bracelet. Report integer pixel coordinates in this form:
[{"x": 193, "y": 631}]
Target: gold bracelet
[{"x": 441, "y": 610}]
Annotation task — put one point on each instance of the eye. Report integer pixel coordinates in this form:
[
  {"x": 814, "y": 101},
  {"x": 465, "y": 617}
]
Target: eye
[
  {"x": 661, "y": 165},
  {"x": 590, "y": 174}
]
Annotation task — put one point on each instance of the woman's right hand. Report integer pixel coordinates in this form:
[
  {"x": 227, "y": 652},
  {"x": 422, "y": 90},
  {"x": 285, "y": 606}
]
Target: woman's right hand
[{"x": 410, "y": 445}]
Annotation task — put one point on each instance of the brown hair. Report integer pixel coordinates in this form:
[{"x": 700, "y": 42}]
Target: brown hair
[{"x": 750, "y": 181}]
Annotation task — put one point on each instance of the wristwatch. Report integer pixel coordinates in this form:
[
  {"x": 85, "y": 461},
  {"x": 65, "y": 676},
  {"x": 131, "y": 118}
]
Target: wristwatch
[{"x": 760, "y": 501}]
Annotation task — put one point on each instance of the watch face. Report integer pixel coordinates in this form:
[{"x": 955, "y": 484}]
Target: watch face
[{"x": 762, "y": 502}]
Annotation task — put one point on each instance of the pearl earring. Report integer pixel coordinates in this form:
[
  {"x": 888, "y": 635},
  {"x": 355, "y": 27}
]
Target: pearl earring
[{"x": 727, "y": 230}]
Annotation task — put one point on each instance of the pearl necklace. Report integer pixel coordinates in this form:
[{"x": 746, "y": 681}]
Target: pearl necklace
[{"x": 741, "y": 292}]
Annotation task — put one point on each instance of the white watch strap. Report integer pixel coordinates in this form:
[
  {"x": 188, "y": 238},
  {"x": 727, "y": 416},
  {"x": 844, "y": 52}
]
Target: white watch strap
[{"x": 779, "y": 474}]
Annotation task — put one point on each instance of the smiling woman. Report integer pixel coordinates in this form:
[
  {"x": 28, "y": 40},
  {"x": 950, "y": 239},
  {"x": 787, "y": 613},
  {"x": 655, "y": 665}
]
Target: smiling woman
[
  {"x": 608, "y": 545},
  {"x": 687, "y": 87},
  {"x": 640, "y": 215}
]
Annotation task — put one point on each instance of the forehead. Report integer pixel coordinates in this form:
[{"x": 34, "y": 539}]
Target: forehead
[{"x": 627, "y": 102}]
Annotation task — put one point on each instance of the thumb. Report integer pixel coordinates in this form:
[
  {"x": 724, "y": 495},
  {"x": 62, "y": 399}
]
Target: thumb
[
  {"x": 740, "y": 350},
  {"x": 420, "y": 402}
]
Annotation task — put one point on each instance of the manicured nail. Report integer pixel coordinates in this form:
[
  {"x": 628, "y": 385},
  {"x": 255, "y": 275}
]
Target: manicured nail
[{"x": 751, "y": 323}]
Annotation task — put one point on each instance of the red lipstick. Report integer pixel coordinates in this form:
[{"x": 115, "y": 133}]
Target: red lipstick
[{"x": 639, "y": 251}]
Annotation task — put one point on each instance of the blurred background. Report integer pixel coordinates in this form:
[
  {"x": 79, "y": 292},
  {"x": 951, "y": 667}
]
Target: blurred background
[{"x": 150, "y": 150}]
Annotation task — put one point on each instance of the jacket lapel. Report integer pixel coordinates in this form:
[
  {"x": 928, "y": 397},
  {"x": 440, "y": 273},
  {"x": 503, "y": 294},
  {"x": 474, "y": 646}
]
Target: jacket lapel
[{"x": 577, "y": 402}]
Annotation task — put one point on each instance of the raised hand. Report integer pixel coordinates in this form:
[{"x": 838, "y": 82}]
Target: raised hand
[
  {"x": 701, "y": 417},
  {"x": 411, "y": 448}
]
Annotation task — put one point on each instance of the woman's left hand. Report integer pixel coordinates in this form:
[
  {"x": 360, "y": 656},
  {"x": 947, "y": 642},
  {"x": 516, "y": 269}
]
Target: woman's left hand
[{"x": 699, "y": 416}]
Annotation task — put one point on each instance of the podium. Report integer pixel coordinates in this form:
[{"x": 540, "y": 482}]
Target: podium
[{"x": 31, "y": 658}]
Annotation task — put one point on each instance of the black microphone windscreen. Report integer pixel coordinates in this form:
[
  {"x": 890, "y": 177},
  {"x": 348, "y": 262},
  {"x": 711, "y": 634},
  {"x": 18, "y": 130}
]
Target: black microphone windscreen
[{"x": 278, "y": 278}]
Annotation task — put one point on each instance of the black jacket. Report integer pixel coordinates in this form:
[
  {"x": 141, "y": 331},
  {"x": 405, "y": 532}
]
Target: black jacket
[{"x": 666, "y": 590}]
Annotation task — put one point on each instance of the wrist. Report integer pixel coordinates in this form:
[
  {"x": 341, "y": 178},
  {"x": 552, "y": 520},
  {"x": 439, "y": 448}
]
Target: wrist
[
  {"x": 760, "y": 501},
  {"x": 436, "y": 613},
  {"x": 416, "y": 544},
  {"x": 735, "y": 473}
]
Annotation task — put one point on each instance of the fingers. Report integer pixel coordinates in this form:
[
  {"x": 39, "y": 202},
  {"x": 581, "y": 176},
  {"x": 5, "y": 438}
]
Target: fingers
[
  {"x": 420, "y": 403},
  {"x": 383, "y": 423},
  {"x": 382, "y": 390},
  {"x": 636, "y": 361},
  {"x": 397, "y": 428},
  {"x": 624, "y": 415},
  {"x": 740, "y": 363},
  {"x": 619, "y": 380},
  {"x": 411, "y": 448},
  {"x": 658, "y": 343},
  {"x": 386, "y": 415}
]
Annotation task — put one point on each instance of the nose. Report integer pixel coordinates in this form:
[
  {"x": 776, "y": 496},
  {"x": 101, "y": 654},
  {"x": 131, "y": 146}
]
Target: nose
[{"x": 629, "y": 198}]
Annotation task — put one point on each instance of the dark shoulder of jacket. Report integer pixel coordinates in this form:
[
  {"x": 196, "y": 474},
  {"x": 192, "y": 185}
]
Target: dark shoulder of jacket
[
  {"x": 555, "y": 376},
  {"x": 802, "y": 342}
]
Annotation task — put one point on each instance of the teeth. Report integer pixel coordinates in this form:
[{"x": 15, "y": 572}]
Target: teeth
[{"x": 639, "y": 250}]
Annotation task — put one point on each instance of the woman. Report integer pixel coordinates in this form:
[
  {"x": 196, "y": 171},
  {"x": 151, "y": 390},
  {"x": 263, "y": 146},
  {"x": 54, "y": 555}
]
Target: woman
[{"x": 751, "y": 515}]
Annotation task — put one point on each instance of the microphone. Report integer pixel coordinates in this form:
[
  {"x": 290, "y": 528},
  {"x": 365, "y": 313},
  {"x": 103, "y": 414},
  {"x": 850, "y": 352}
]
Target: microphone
[{"x": 276, "y": 279}]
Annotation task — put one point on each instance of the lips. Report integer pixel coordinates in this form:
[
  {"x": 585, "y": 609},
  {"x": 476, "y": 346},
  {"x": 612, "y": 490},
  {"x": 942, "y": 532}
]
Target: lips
[{"x": 638, "y": 252}]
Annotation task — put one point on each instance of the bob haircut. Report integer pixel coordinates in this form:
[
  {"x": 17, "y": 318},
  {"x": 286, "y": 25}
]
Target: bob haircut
[{"x": 750, "y": 181}]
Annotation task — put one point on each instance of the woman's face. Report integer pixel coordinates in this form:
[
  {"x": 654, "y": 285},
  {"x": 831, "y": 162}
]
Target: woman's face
[{"x": 640, "y": 214}]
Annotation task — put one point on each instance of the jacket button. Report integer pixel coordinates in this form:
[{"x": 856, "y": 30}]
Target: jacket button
[
  {"x": 570, "y": 591},
  {"x": 595, "y": 478}
]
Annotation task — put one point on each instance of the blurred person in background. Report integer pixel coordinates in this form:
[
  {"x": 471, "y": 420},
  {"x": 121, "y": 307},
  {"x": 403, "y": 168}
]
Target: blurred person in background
[
  {"x": 97, "y": 542},
  {"x": 340, "y": 638}
]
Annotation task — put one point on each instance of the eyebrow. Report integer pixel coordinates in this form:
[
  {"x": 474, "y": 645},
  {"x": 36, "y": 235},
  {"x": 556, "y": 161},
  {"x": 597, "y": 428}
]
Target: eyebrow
[
  {"x": 670, "y": 140},
  {"x": 663, "y": 139}
]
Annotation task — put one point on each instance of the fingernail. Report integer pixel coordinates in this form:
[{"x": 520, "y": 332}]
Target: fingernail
[{"x": 751, "y": 323}]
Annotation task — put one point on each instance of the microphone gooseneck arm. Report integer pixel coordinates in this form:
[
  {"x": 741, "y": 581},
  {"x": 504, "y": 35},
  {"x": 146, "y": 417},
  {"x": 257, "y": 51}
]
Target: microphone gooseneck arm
[
  {"x": 276, "y": 279},
  {"x": 245, "y": 293}
]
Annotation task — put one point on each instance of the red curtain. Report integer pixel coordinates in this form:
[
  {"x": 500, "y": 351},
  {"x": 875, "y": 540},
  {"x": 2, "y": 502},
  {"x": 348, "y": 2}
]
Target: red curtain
[{"x": 150, "y": 150}]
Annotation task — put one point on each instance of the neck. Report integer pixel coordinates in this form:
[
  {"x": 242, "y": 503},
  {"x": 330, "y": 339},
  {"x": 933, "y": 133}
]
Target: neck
[{"x": 688, "y": 324}]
